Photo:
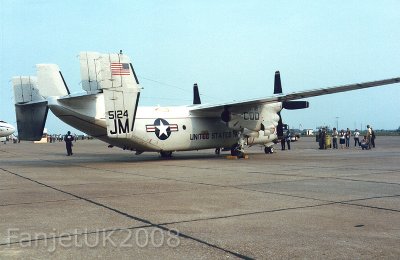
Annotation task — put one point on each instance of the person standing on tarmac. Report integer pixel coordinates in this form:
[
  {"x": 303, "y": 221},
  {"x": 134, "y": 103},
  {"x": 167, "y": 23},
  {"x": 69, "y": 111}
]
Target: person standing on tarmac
[
  {"x": 342, "y": 136},
  {"x": 373, "y": 138},
  {"x": 288, "y": 136},
  {"x": 356, "y": 138},
  {"x": 322, "y": 138},
  {"x": 283, "y": 143},
  {"x": 319, "y": 136},
  {"x": 369, "y": 136},
  {"x": 347, "y": 135},
  {"x": 334, "y": 138},
  {"x": 68, "y": 142}
]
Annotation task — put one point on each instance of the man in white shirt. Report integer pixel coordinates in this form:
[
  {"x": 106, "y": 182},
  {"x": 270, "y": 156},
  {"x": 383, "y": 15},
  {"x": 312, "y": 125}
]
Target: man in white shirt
[{"x": 356, "y": 137}]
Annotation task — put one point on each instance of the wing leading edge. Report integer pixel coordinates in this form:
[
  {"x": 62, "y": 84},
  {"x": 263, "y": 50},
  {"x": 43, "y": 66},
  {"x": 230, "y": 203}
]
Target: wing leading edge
[{"x": 296, "y": 95}]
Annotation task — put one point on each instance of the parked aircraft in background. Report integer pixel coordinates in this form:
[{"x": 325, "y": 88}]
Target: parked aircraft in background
[
  {"x": 6, "y": 129},
  {"x": 109, "y": 111}
]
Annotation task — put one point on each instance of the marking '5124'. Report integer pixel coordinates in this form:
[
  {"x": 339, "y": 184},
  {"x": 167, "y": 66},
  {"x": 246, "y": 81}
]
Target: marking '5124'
[{"x": 121, "y": 122}]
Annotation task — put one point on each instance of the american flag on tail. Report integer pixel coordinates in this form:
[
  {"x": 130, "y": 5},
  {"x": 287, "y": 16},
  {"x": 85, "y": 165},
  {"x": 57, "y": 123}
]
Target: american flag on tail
[{"x": 120, "y": 69}]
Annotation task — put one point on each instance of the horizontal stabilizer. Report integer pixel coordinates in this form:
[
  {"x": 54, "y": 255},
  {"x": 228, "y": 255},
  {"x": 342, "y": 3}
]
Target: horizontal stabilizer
[{"x": 31, "y": 118}]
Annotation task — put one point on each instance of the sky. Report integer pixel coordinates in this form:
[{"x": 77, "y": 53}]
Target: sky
[{"x": 230, "y": 48}]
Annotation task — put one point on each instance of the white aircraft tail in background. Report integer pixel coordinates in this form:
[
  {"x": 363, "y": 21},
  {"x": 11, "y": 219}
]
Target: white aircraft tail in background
[{"x": 109, "y": 111}]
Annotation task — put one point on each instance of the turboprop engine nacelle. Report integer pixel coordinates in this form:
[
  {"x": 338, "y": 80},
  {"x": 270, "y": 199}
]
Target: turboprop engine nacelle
[
  {"x": 251, "y": 133},
  {"x": 256, "y": 118},
  {"x": 269, "y": 130},
  {"x": 250, "y": 120},
  {"x": 247, "y": 118},
  {"x": 271, "y": 118}
]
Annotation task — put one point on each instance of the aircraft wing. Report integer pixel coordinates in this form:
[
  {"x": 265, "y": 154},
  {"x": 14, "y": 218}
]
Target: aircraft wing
[{"x": 294, "y": 95}]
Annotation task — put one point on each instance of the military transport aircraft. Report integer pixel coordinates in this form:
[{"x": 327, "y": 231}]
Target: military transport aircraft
[{"x": 109, "y": 111}]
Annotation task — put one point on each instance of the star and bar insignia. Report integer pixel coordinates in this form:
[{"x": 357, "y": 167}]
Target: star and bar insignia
[{"x": 162, "y": 128}]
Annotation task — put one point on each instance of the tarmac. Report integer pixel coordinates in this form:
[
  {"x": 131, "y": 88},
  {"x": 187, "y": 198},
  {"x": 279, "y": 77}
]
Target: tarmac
[{"x": 109, "y": 203}]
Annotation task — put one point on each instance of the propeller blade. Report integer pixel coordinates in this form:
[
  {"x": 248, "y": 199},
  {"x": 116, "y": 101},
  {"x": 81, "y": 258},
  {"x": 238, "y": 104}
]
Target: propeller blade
[
  {"x": 292, "y": 105},
  {"x": 196, "y": 95},
  {"x": 226, "y": 115},
  {"x": 277, "y": 83},
  {"x": 279, "y": 127}
]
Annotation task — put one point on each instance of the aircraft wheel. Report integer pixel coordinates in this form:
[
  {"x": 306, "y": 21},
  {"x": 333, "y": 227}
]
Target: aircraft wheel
[
  {"x": 166, "y": 154},
  {"x": 217, "y": 150},
  {"x": 234, "y": 150},
  {"x": 268, "y": 150}
]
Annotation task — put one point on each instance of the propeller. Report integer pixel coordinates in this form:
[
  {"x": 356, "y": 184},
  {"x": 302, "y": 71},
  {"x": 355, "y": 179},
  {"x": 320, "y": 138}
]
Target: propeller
[
  {"x": 290, "y": 105},
  {"x": 196, "y": 95},
  {"x": 278, "y": 90}
]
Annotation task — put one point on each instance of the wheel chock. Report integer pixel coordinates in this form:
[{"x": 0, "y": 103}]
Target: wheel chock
[{"x": 231, "y": 157}]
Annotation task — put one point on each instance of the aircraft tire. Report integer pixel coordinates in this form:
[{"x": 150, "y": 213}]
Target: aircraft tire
[
  {"x": 234, "y": 150},
  {"x": 268, "y": 150},
  {"x": 166, "y": 154}
]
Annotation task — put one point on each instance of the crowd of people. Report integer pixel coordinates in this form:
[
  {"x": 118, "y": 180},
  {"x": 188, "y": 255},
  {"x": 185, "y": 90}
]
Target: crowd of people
[
  {"x": 59, "y": 137},
  {"x": 344, "y": 136}
]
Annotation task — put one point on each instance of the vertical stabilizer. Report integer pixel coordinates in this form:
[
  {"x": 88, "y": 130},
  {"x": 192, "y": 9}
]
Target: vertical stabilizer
[
  {"x": 26, "y": 89},
  {"x": 113, "y": 74},
  {"x": 50, "y": 81},
  {"x": 90, "y": 71},
  {"x": 30, "y": 108}
]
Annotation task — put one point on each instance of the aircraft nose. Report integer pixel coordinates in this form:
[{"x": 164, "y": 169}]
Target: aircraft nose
[{"x": 10, "y": 129}]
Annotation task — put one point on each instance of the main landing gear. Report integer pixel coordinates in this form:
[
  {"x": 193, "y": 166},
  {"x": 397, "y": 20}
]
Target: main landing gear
[
  {"x": 166, "y": 154},
  {"x": 237, "y": 149},
  {"x": 269, "y": 149}
]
